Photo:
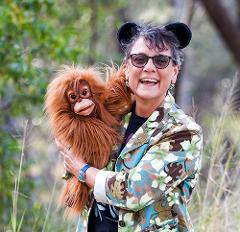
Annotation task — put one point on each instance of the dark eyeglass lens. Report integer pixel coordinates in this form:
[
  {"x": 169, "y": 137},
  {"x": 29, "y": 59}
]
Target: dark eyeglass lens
[
  {"x": 139, "y": 60},
  {"x": 161, "y": 61}
]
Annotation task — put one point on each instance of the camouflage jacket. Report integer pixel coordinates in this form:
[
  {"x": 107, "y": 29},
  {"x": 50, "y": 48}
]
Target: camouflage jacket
[{"x": 155, "y": 173}]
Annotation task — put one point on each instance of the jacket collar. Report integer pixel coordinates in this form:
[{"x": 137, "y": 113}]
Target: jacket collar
[{"x": 154, "y": 124}]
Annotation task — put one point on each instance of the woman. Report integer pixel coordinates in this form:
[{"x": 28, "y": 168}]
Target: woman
[{"x": 148, "y": 186}]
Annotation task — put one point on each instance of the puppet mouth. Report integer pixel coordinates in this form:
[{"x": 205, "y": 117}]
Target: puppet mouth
[
  {"x": 86, "y": 111},
  {"x": 84, "y": 108}
]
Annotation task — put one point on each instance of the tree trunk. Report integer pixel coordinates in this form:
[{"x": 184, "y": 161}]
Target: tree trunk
[
  {"x": 94, "y": 33},
  {"x": 225, "y": 26},
  {"x": 238, "y": 13},
  {"x": 186, "y": 16}
]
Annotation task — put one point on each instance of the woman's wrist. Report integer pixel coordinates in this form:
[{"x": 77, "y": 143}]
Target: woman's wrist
[
  {"x": 91, "y": 176},
  {"x": 82, "y": 173}
]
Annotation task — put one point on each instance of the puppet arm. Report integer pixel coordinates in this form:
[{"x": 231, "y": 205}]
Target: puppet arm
[{"x": 118, "y": 100}]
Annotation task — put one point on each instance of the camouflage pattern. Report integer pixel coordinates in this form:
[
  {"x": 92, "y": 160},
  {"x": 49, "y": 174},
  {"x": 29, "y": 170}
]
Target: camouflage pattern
[{"x": 155, "y": 173}]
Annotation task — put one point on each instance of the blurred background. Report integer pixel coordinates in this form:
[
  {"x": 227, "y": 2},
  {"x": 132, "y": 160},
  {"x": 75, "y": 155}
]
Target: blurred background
[{"x": 37, "y": 36}]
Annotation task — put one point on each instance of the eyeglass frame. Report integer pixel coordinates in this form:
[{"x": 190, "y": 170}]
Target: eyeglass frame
[{"x": 151, "y": 57}]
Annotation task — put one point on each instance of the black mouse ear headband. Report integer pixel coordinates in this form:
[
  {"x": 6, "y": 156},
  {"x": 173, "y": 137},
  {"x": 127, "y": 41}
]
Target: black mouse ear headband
[
  {"x": 126, "y": 32},
  {"x": 182, "y": 32},
  {"x": 129, "y": 29}
]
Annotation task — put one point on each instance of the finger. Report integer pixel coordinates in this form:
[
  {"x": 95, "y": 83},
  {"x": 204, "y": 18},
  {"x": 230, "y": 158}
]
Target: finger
[
  {"x": 57, "y": 142},
  {"x": 67, "y": 149},
  {"x": 62, "y": 153},
  {"x": 66, "y": 168},
  {"x": 68, "y": 158},
  {"x": 62, "y": 147}
]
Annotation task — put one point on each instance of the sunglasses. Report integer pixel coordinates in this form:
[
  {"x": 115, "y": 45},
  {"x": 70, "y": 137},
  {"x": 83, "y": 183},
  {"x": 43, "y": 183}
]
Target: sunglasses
[{"x": 159, "y": 61}]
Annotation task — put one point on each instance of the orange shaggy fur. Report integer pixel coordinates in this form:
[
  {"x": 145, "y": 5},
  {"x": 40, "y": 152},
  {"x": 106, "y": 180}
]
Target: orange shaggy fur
[{"x": 92, "y": 138}]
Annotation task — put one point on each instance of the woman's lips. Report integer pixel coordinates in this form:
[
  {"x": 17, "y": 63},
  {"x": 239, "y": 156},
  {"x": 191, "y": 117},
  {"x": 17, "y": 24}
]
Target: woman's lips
[{"x": 149, "y": 81}]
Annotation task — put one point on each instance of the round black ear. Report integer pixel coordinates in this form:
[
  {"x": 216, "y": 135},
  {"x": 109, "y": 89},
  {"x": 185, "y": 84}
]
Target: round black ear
[
  {"x": 126, "y": 32},
  {"x": 182, "y": 32}
]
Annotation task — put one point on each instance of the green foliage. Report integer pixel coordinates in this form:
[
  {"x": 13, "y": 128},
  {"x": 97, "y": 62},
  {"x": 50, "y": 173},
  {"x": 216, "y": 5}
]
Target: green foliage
[
  {"x": 22, "y": 33},
  {"x": 36, "y": 37}
]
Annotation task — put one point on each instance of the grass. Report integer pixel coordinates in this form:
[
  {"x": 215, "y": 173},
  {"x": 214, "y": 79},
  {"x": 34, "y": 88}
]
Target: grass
[
  {"x": 216, "y": 205},
  {"x": 16, "y": 227},
  {"x": 44, "y": 217}
]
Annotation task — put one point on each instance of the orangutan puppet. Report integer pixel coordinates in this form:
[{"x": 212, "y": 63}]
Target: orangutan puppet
[{"x": 85, "y": 114}]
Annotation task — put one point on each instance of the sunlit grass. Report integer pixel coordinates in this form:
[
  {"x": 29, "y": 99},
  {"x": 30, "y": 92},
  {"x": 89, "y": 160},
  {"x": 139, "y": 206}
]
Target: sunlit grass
[
  {"x": 17, "y": 226},
  {"x": 45, "y": 217},
  {"x": 216, "y": 206}
]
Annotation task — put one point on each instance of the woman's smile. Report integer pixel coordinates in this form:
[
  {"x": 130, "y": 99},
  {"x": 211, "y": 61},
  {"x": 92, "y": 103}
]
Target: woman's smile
[{"x": 149, "y": 81}]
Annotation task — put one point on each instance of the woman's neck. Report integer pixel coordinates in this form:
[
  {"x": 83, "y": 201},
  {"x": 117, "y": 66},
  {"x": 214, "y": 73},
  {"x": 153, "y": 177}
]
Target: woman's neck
[{"x": 145, "y": 108}]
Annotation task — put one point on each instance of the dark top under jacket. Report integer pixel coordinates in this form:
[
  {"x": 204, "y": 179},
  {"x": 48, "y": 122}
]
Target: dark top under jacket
[{"x": 104, "y": 217}]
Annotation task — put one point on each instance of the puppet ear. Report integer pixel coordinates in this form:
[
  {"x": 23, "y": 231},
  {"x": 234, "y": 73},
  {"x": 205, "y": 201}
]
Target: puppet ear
[
  {"x": 126, "y": 32},
  {"x": 182, "y": 32}
]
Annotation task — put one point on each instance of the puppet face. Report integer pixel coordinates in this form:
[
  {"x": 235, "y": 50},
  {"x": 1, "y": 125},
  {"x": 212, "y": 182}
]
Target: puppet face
[{"x": 80, "y": 98}]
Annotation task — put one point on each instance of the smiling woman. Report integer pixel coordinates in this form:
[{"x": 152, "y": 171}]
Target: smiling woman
[
  {"x": 148, "y": 182},
  {"x": 149, "y": 83}
]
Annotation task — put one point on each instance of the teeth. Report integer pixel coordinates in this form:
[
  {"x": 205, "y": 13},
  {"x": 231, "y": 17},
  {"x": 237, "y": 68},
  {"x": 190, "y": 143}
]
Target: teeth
[{"x": 149, "y": 81}]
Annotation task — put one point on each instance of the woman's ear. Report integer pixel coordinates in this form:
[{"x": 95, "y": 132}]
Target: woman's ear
[
  {"x": 126, "y": 71},
  {"x": 176, "y": 69}
]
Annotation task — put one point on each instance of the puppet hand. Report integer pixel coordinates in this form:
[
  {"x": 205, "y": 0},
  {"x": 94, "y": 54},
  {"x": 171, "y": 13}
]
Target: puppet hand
[{"x": 70, "y": 162}]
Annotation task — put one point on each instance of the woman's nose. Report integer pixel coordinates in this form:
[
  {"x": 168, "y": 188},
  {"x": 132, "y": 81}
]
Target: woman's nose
[{"x": 149, "y": 67}]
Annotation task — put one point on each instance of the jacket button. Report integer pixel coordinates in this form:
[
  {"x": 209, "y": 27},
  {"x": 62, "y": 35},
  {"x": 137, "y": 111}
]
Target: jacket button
[{"x": 122, "y": 223}]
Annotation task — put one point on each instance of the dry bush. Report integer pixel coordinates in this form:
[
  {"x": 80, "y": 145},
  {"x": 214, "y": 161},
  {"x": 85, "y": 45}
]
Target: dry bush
[{"x": 216, "y": 205}]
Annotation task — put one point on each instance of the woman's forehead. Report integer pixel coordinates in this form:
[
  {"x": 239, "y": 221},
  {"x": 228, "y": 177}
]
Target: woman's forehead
[{"x": 143, "y": 46}]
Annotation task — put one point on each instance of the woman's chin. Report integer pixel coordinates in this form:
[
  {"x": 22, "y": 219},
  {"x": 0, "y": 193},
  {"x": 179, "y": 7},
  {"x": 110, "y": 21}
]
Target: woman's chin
[{"x": 148, "y": 94}]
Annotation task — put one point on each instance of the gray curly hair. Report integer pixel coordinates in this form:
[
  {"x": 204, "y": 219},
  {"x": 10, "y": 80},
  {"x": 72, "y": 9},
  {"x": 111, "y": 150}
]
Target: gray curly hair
[{"x": 157, "y": 38}]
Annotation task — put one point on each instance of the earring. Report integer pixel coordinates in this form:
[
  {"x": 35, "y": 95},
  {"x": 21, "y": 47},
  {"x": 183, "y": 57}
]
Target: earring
[
  {"x": 171, "y": 88},
  {"x": 127, "y": 82}
]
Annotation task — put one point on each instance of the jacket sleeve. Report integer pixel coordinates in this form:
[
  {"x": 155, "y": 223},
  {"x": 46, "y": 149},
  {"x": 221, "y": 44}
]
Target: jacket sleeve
[{"x": 164, "y": 166}]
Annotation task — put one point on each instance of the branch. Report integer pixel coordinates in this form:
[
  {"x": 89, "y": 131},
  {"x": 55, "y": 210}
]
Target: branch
[
  {"x": 188, "y": 12},
  {"x": 238, "y": 13}
]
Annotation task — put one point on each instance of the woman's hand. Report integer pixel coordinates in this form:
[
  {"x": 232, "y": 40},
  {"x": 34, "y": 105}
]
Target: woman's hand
[
  {"x": 73, "y": 164},
  {"x": 70, "y": 162}
]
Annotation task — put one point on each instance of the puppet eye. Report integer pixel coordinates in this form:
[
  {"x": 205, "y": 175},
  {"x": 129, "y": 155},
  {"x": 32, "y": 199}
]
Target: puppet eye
[
  {"x": 72, "y": 96},
  {"x": 84, "y": 92}
]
